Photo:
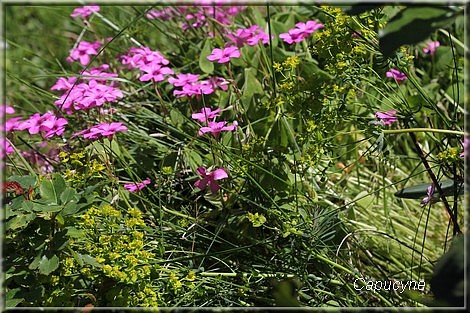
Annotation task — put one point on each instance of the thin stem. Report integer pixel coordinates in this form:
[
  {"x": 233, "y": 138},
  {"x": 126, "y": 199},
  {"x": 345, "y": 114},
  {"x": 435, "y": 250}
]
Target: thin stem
[{"x": 418, "y": 130}]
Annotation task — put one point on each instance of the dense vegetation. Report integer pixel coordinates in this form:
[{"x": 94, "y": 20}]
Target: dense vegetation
[{"x": 217, "y": 156}]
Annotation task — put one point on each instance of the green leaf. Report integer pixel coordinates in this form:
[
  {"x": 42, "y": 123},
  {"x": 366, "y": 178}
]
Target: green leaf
[
  {"x": 47, "y": 266},
  {"x": 89, "y": 260},
  {"x": 20, "y": 221},
  {"x": 412, "y": 25},
  {"x": 47, "y": 207},
  {"x": 73, "y": 232},
  {"x": 364, "y": 200},
  {"x": 51, "y": 189},
  {"x": 71, "y": 208},
  {"x": 68, "y": 195},
  {"x": 24, "y": 181},
  {"x": 206, "y": 65},
  {"x": 252, "y": 85},
  {"x": 12, "y": 298}
]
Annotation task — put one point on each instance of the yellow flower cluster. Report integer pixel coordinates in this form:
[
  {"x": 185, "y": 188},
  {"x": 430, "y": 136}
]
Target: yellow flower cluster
[
  {"x": 450, "y": 155},
  {"x": 116, "y": 242},
  {"x": 78, "y": 169}
]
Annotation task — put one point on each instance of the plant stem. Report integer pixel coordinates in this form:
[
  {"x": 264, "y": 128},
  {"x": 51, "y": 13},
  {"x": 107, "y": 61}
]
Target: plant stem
[
  {"x": 436, "y": 184},
  {"x": 418, "y": 130}
]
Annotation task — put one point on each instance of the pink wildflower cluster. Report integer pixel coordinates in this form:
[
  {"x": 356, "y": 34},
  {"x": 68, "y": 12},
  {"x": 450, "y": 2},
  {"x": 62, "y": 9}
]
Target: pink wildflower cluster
[
  {"x": 83, "y": 51},
  {"x": 209, "y": 178},
  {"x": 151, "y": 63},
  {"x": 85, "y": 11},
  {"x": 137, "y": 186},
  {"x": 47, "y": 124},
  {"x": 191, "y": 85},
  {"x": 101, "y": 130},
  {"x": 87, "y": 94},
  {"x": 396, "y": 74},
  {"x": 388, "y": 117},
  {"x": 431, "y": 47},
  {"x": 224, "y": 55},
  {"x": 166, "y": 14},
  {"x": 198, "y": 16},
  {"x": 300, "y": 31},
  {"x": 222, "y": 14},
  {"x": 247, "y": 36},
  {"x": 213, "y": 127}
]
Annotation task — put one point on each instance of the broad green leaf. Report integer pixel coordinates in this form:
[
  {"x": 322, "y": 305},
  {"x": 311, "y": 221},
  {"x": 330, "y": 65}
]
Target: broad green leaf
[
  {"x": 71, "y": 208},
  {"x": 24, "y": 181},
  {"x": 206, "y": 65},
  {"x": 252, "y": 85},
  {"x": 68, "y": 195},
  {"x": 51, "y": 189},
  {"x": 47, "y": 207},
  {"x": 20, "y": 221},
  {"x": 412, "y": 25},
  {"x": 12, "y": 297},
  {"x": 35, "y": 264},
  {"x": 27, "y": 206},
  {"x": 364, "y": 200},
  {"x": 74, "y": 232},
  {"x": 89, "y": 260},
  {"x": 48, "y": 265}
]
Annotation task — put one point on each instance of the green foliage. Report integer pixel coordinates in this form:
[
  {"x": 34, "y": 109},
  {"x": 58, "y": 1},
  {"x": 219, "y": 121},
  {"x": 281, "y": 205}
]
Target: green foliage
[{"x": 308, "y": 205}]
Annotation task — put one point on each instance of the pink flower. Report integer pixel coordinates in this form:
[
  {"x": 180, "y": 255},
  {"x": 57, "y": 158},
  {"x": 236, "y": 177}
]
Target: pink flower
[
  {"x": 101, "y": 130},
  {"x": 5, "y": 148},
  {"x": 224, "y": 56},
  {"x": 138, "y": 57},
  {"x": 46, "y": 123},
  {"x": 99, "y": 74},
  {"x": 300, "y": 31},
  {"x": 83, "y": 51},
  {"x": 85, "y": 96},
  {"x": 388, "y": 117},
  {"x": 12, "y": 123},
  {"x": 215, "y": 128},
  {"x": 396, "y": 74},
  {"x": 465, "y": 145},
  {"x": 209, "y": 178},
  {"x": 308, "y": 27},
  {"x": 183, "y": 79},
  {"x": 64, "y": 83},
  {"x": 294, "y": 35},
  {"x": 431, "y": 47},
  {"x": 250, "y": 36},
  {"x": 85, "y": 11},
  {"x": 9, "y": 110},
  {"x": 206, "y": 114},
  {"x": 154, "y": 72},
  {"x": 164, "y": 15},
  {"x": 195, "y": 89},
  {"x": 6, "y": 109},
  {"x": 429, "y": 196},
  {"x": 217, "y": 82},
  {"x": 137, "y": 186}
]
